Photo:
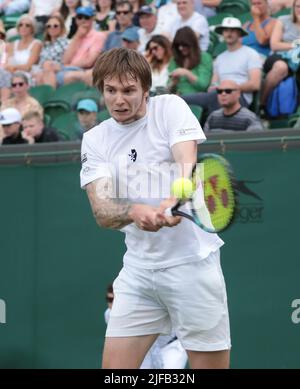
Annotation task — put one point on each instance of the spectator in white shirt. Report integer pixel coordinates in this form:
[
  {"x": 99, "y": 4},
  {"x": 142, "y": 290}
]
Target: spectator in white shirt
[{"x": 189, "y": 18}]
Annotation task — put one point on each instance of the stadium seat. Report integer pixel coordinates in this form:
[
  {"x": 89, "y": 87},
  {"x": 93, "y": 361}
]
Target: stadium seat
[
  {"x": 285, "y": 11},
  {"x": 56, "y": 109},
  {"x": 245, "y": 17},
  {"x": 217, "y": 19},
  {"x": 235, "y": 8},
  {"x": 42, "y": 93},
  {"x": 197, "y": 110},
  {"x": 10, "y": 21},
  {"x": 66, "y": 92},
  {"x": 218, "y": 49},
  {"x": 213, "y": 41},
  {"x": 89, "y": 93},
  {"x": 67, "y": 125}
]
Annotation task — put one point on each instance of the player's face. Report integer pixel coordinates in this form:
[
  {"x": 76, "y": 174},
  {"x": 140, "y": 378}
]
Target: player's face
[{"x": 125, "y": 99}]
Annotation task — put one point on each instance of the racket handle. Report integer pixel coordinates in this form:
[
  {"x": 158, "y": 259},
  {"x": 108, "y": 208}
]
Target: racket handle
[{"x": 168, "y": 212}]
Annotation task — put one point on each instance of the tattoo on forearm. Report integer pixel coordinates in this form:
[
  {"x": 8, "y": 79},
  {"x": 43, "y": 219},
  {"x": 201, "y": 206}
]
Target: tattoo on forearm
[{"x": 109, "y": 212}]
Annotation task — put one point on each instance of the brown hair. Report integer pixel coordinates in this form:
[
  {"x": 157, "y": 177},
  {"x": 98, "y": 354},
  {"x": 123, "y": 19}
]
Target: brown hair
[
  {"x": 32, "y": 115},
  {"x": 294, "y": 18},
  {"x": 62, "y": 26},
  {"x": 163, "y": 42},
  {"x": 119, "y": 63},
  {"x": 186, "y": 36}
]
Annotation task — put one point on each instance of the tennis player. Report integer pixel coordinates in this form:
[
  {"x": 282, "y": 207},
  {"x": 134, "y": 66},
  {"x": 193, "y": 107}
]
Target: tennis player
[{"x": 171, "y": 276}]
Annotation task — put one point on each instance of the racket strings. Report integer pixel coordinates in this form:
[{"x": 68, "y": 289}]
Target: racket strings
[{"x": 214, "y": 198}]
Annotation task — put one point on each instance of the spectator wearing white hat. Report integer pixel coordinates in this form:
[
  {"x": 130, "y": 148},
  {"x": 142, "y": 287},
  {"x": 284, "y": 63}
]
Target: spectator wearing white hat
[
  {"x": 11, "y": 119},
  {"x": 238, "y": 63}
]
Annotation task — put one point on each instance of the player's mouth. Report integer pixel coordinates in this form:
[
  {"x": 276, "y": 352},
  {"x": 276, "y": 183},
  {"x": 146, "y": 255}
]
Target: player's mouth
[{"x": 121, "y": 111}]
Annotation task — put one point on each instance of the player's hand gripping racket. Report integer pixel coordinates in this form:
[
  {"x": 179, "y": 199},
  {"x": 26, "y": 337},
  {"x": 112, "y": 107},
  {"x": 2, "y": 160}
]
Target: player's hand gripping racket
[{"x": 212, "y": 204}]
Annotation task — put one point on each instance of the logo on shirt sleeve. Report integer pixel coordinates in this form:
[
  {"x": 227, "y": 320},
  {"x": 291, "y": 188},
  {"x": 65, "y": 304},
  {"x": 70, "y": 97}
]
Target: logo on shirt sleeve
[
  {"x": 186, "y": 131},
  {"x": 84, "y": 158}
]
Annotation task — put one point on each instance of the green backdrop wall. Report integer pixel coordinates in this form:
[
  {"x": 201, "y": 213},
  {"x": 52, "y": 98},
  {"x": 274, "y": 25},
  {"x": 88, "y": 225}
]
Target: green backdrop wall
[{"x": 55, "y": 264}]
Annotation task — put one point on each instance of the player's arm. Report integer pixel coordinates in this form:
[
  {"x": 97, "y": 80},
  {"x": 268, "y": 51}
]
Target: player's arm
[
  {"x": 185, "y": 154},
  {"x": 115, "y": 213}
]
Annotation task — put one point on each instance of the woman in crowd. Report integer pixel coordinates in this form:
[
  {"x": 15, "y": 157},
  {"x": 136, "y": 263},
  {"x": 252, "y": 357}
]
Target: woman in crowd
[
  {"x": 23, "y": 53},
  {"x": 190, "y": 69},
  {"x": 158, "y": 54},
  {"x": 52, "y": 52},
  {"x": 284, "y": 40},
  {"x": 259, "y": 28},
  {"x": 21, "y": 99},
  {"x": 68, "y": 12},
  {"x": 105, "y": 16}
]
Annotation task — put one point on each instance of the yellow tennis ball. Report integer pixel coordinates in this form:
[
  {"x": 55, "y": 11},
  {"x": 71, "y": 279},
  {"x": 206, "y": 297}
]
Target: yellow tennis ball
[{"x": 182, "y": 188}]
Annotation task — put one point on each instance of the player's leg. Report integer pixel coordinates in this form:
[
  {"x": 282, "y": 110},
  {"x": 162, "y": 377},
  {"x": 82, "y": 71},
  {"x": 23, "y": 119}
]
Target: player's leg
[
  {"x": 126, "y": 352},
  {"x": 209, "y": 360},
  {"x": 195, "y": 295},
  {"x": 136, "y": 317}
]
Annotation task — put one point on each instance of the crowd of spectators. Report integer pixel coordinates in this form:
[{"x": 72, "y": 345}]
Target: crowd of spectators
[{"x": 56, "y": 43}]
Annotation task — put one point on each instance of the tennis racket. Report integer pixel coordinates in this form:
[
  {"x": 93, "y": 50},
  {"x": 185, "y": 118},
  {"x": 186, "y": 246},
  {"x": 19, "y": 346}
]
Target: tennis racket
[{"x": 212, "y": 205}]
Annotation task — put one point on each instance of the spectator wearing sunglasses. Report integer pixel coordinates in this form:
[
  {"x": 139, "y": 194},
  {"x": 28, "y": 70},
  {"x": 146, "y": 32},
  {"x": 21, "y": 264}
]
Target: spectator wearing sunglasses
[
  {"x": 23, "y": 53},
  {"x": 55, "y": 44},
  {"x": 21, "y": 99},
  {"x": 124, "y": 16},
  {"x": 190, "y": 69},
  {"x": 158, "y": 54},
  {"x": 83, "y": 48},
  {"x": 231, "y": 116}
]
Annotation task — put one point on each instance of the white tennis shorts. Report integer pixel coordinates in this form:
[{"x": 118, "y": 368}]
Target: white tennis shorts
[{"x": 190, "y": 299}]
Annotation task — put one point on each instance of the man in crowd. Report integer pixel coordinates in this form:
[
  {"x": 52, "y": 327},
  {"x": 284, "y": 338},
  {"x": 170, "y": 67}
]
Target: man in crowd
[{"x": 232, "y": 116}]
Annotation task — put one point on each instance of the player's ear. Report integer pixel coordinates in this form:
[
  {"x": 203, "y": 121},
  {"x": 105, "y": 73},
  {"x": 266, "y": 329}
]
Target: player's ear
[{"x": 146, "y": 94}]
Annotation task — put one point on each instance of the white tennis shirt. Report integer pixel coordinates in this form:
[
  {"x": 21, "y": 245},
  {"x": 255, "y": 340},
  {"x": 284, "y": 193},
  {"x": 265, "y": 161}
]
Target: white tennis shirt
[{"x": 139, "y": 159}]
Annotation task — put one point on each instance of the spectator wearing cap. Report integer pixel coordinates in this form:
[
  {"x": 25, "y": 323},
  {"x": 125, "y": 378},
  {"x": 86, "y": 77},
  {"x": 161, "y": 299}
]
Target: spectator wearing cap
[
  {"x": 11, "y": 119},
  {"x": 87, "y": 110},
  {"x": 148, "y": 23},
  {"x": 35, "y": 131},
  {"x": 231, "y": 116},
  {"x": 124, "y": 16},
  {"x": 189, "y": 18},
  {"x": 84, "y": 47},
  {"x": 238, "y": 63},
  {"x": 130, "y": 39}
]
